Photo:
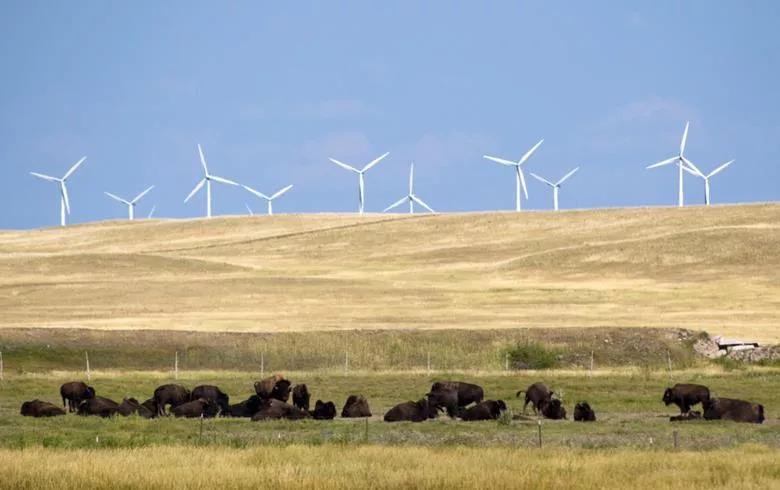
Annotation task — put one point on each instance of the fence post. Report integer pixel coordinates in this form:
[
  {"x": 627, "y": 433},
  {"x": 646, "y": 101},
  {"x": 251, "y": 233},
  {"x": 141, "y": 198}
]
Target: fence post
[
  {"x": 366, "y": 433},
  {"x": 676, "y": 437},
  {"x": 346, "y": 361},
  {"x": 539, "y": 426},
  {"x": 590, "y": 372},
  {"x": 86, "y": 357},
  {"x": 506, "y": 362},
  {"x": 429, "y": 362},
  {"x": 262, "y": 364},
  {"x": 176, "y": 365},
  {"x": 200, "y": 436},
  {"x": 1, "y": 366},
  {"x": 669, "y": 361}
]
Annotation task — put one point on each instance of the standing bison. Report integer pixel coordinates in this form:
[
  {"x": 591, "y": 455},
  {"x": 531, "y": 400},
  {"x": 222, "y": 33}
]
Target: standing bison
[
  {"x": 486, "y": 410},
  {"x": 74, "y": 393},
  {"x": 419, "y": 411},
  {"x": 468, "y": 393},
  {"x": 39, "y": 408},
  {"x": 583, "y": 413},
  {"x": 301, "y": 397},
  {"x": 537, "y": 395},
  {"x": 731, "y": 409},
  {"x": 356, "y": 406},
  {"x": 213, "y": 393},
  {"x": 170, "y": 394},
  {"x": 685, "y": 396}
]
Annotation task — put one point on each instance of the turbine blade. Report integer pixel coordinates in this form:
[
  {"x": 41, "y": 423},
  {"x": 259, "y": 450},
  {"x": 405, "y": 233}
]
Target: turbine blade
[
  {"x": 662, "y": 163},
  {"x": 542, "y": 179},
  {"x": 522, "y": 181},
  {"x": 255, "y": 192},
  {"x": 223, "y": 180},
  {"x": 411, "y": 179},
  {"x": 139, "y": 196},
  {"x": 344, "y": 165},
  {"x": 151, "y": 213},
  {"x": 500, "y": 160},
  {"x": 45, "y": 177},
  {"x": 717, "y": 170},
  {"x": 692, "y": 167},
  {"x": 530, "y": 152},
  {"x": 684, "y": 139},
  {"x": 116, "y": 198},
  {"x": 396, "y": 204},
  {"x": 203, "y": 159},
  {"x": 64, "y": 191},
  {"x": 73, "y": 168},
  {"x": 279, "y": 193},
  {"x": 375, "y": 161},
  {"x": 567, "y": 176},
  {"x": 196, "y": 189},
  {"x": 249, "y": 209},
  {"x": 421, "y": 203},
  {"x": 692, "y": 172}
]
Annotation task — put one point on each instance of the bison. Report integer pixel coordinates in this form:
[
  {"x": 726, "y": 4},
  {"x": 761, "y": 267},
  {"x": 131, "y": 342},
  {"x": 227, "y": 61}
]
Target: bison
[
  {"x": 446, "y": 399},
  {"x": 468, "y": 393},
  {"x": 148, "y": 409},
  {"x": 246, "y": 408},
  {"x": 170, "y": 394},
  {"x": 419, "y": 411},
  {"x": 731, "y": 409},
  {"x": 128, "y": 407},
  {"x": 486, "y": 410},
  {"x": 98, "y": 405},
  {"x": 355, "y": 406},
  {"x": 324, "y": 410},
  {"x": 39, "y": 408},
  {"x": 685, "y": 396},
  {"x": 583, "y": 412},
  {"x": 537, "y": 395},
  {"x": 201, "y": 407},
  {"x": 301, "y": 397},
  {"x": 553, "y": 409},
  {"x": 74, "y": 393},
  {"x": 276, "y": 409},
  {"x": 213, "y": 393}
]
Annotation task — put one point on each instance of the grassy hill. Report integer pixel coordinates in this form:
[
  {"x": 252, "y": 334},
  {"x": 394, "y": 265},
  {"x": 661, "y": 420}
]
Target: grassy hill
[{"x": 715, "y": 269}]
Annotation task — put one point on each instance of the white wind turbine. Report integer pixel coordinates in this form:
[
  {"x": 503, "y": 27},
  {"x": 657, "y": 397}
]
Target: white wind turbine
[
  {"x": 361, "y": 187},
  {"x": 267, "y": 198},
  {"x": 519, "y": 177},
  {"x": 694, "y": 170},
  {"x": 411, "y": 197},
  {"x": 249, "y": 210},
  {"x": 207, "y": 178},
  {"x": 556, "y": 186},
  {"x": 64, "y": 201},
  {"x": 151, "y": 213},
  {"x": 131, "y": 204},
  {"x": 681, "y": 161}
]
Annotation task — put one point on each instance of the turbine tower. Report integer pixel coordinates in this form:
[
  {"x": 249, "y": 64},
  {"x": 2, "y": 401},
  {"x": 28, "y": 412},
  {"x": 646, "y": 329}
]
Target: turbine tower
[
  {"x": 269, "y": 199},
  {"x": 556, "y": 186},
  {"x": 411, "y": 197},
  {"x": 694, "y": 170},
  {"x": 361, "y": 184},
  {"x": 519, "y": 177},
  {"x": 131, "y": 204},
  {"x": 64, "y": 201},
  {"x": 207, "y": 178},
  {"x": 681, "y": 161}
]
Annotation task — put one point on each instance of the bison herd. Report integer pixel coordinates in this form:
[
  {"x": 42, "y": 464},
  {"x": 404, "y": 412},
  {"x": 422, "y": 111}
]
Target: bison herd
[{"x": 457, "y": 399}]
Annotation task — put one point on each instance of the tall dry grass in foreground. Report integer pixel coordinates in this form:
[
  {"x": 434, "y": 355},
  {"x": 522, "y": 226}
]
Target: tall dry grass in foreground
[{"x": 344, "y": 466}]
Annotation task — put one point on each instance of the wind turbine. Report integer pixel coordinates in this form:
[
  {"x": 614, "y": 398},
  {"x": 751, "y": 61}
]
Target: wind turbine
[
  {"x": 694, "y": 170},
  {"x": 681, "y": 161},
  {"x": 207, "y": 178},
  {"x": 251, "y": 213},
  {"x": 269, "y": 199},
  {"x": 519, "y": 177},
  {"x": 64, "y": 201},
  {"x": 556, "y": 185},
  {"x": 131, "y": 204},
  {"x": 361, "y": 188},
  {"x": 151, "y": 213},
  {"x": 411, "y": 197}
]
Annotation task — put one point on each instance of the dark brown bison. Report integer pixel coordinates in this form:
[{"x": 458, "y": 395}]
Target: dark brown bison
[
  {"x": 201, "y": 407},
  {"x": 274, "y": 409},
  {"x": 553, "y": 409},
  {"x": 213, "y": 393},
  {"x": 468, "y": 393},
  {"x": 324, "y": 410},
  {"x": 419, "y": 411},
  {"x": 39, "y": 408},
  {"x": 537, "y": 394},
  {"x": 301, "y": 397},
  {"x": 128, "y": 407},
  {"x": 686, "y": 395},
  {"x": 74, "y": 393},
  {"x": 583, "y": 413},
  {"x": 486, "y": 410},
  {"x": 148, "y": 409},
  {"x": 170, "y": 394},
  {"x": 98, "y": 405},
  {"x": 246, "y": 408},
  {"x": 445, "y": 399},
  {"x": 355, "y": 406},
  {"x": 731, "y": 409}
]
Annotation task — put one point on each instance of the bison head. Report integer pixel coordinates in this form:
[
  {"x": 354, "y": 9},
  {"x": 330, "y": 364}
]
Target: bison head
[
  {"x": 667, "y": 399},
  {"x": 89, "y": 392}
]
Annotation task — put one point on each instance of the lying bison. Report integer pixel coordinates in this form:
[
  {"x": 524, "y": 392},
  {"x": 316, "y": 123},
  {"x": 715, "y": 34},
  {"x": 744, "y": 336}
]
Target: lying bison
[
  {"x": 324, "y": 410},
  {"x": 553, "y": 409},
  {"x": 128, "y": 407},
  {"x": 274, "y": 409},
  {"x": 148, "y": 409},
  {"x": 419, "y": 411},
  {"x": 583, "y": 413},
  {"x": 39, "y": 408},
  {"x": 246, "y": 408},
  {"x": 74, "y": 393},
  {"x": 731, "y": 409},
  {"x": 355, "y": 406},
  {"x": 99, "y": 406},
  {"x": 170, "y": 394},
  {"x": 486, "y": 410},
  {"x": 301, "y": 397},
  {"x": 685, "y": 396},
  {"x": 201, "y": 407},
  {"x": 213, "y": 393},
  {"x": 468, "y": 393},
  {"x": 275, "y": 387},
  {"x": 537, "y": 395}
]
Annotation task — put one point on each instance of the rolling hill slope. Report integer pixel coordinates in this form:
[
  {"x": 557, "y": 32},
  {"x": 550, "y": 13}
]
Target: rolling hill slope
[{"x": 715, "y": 269}]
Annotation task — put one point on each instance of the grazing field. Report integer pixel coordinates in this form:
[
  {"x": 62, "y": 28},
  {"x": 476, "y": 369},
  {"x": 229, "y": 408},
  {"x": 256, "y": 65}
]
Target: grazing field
[{"x": 715, "y": 269}]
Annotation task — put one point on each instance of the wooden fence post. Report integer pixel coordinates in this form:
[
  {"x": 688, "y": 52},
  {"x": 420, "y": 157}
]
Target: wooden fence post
[
  {"x": 669, "y": 361},
  {"x": 429, "y": 362},
  {"x": 176, "y": 365},
  {"x": 1, "y": 366},
  {"x": 539, "y": 426},
  {"x": 262, "y": 364},
  {"x": 506, "y": 362},
  {"x": 86, "y": 358},
  {"x": 590, "y": 372},
  {"x": 676, "y": 437},
  {"x": 346, "y": 361}
]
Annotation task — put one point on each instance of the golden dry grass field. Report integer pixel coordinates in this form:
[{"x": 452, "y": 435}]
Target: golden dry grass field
[{"x": 715, "y": 269}]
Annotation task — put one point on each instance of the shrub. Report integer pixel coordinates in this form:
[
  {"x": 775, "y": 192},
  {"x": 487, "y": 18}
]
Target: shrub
[{"x": 531, "y": 355}]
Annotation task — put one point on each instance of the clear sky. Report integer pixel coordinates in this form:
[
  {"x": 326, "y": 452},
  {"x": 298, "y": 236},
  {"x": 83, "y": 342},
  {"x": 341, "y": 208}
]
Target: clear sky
[{"x": 271, "y": 89}]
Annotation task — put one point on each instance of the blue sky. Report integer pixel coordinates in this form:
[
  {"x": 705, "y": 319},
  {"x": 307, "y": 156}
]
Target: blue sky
[{"x": 271, "y": 89}]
